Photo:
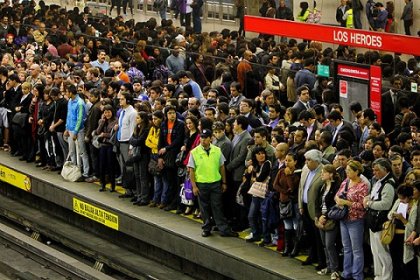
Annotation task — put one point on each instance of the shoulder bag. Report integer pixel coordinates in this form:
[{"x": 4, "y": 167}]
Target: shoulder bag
[
  {"x": 336, "y": 212},
  {"x": 388, "y": 231},
  {"x": 259, "y": 189},
  {"x": 20, "y": 119},
  {"x": 286, "y": 210},
  {"x": 329, "y": 224}
]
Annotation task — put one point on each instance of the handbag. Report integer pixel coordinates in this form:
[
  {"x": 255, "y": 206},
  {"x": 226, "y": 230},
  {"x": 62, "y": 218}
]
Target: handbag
[
  {"x": 169, "y": 159},
  {"x": 153, "y": 167},
  {"x": 180, "y": 158},
  {"x": 181, "y": 172},
  {"x": 239, "y": 197},
  {"x": 336, "y": 212},
  {"x": 20, "y": 119},
  {"x": 95, "y": 141},
  {"x": 134, "y": 155},
  {"x": 186, "y": 193},
  {"x": 388, "y": 231},
  {"x": 329, "y": 224},
  {"x": 71, "y": 172},
  {"x": 114, "y": 141},
  {"x": 286, "y": 210},
  {"x": 258, "y": 189}
]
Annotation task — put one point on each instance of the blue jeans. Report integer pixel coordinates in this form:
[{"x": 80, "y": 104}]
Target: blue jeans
[
  {"x": 254, "y": 217},
  {"x": 328, "y": 241},
  {"x": 196, "y": 21},
  {"x": 83, "y": 155},
  {"x": 158, "y": 189},
  {"x": 162, "y": 13},
  {"x": 352, "y": 238},
  {"x": 258, "y": 227}
]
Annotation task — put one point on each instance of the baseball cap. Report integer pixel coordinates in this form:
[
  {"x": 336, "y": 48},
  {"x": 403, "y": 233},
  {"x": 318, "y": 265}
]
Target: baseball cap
[{"x": 206, "y": 133}]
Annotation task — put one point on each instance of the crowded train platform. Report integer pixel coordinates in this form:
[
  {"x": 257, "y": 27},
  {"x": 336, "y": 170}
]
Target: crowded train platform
[{"x": 239, "y": 131}]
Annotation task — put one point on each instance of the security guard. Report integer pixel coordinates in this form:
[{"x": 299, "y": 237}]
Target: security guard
[{"x": 208, "y": 179}]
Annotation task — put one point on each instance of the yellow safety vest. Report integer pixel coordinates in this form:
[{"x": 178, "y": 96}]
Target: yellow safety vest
[
  {"x": 349, "y": 19},
  {"x": 207, "y": 166}
]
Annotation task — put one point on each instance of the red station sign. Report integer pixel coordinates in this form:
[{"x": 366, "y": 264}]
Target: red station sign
[
  {"x": 353, "y": 72},
  {"x": 335, "y": 35}
]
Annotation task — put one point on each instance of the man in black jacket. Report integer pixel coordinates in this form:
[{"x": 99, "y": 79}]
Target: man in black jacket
[
  {"x": 341, "y": 10},
  {"x": 171, "y": 139},
  {"x": 341, "y": 127}
]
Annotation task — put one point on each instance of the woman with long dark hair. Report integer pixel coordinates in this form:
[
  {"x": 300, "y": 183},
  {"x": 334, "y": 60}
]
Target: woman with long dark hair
[
  {"x": 286, "y": 184},
  {"x": 192, "y": 140},
  {"x": 258, "y": 171},
  {"x": 107, "y": 157},
  {"x": 141, "y": 157}
]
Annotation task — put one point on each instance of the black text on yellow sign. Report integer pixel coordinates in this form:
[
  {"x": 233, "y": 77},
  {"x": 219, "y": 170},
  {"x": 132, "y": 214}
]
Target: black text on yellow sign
[
  {"x": 15, "y": 178},
  {"x": 95, "y": 213}
]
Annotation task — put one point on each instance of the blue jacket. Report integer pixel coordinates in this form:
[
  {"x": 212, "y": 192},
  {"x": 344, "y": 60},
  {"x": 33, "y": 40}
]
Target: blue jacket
[{"x": 76, "y": 115}]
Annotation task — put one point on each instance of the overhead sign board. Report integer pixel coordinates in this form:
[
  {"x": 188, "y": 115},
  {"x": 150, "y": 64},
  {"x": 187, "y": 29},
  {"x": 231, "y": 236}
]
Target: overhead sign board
[
  {"x": 353, "y": 72},
  {"x": 335, "y": 35}
]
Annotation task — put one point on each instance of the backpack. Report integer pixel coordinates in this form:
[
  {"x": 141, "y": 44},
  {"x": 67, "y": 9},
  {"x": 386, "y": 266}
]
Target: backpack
[
  {"x": 161, "y": 72},
  {"x": 134, "y": 73}
]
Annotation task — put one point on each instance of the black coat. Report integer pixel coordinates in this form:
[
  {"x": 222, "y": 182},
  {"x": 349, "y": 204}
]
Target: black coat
[{"x": 388, "y": 112}]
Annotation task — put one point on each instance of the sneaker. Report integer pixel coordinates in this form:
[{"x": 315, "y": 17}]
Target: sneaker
[
  {"x": 323, "y": 271},
  {"x": 92, "y": 179},
  {"x": 161, "y": 206},
  {"x": 229, "y": 233},
  {"x": 249, "y": 236},
  {"x": 152, "y": 204},
  {"x": 335, "y": 275}
]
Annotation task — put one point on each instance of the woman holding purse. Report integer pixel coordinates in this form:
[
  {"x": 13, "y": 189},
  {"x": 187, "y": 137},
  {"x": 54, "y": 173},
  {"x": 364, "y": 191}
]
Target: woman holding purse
[
  {"x": 287, "y": 185},
  {"x": 351, "y": 194},
  {"x": 258, "y": 171},
  {"x": 107, "y": 157},
  {"x": 327, "y": 228}
]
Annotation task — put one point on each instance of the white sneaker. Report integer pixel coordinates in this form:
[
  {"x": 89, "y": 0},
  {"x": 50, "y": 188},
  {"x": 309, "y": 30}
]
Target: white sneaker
[
  {"x": 249, "y": 236},
  {"x": 335, "y": 275},
  {"x": 323, "y": 271}
]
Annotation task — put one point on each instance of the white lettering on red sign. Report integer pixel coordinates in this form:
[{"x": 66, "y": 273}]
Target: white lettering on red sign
[
  {"x": 353, "y": 72},
  {"x": 364, "y": 40}
]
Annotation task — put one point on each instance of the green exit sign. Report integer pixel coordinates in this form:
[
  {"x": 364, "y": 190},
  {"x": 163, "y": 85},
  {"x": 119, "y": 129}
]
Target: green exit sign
[{"x": 323, "y": 70}]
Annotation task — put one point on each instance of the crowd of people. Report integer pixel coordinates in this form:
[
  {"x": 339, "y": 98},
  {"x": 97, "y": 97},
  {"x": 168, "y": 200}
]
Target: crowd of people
[
  {"x": 380, "y": 16},
  {"x": 192, "y": 122}
]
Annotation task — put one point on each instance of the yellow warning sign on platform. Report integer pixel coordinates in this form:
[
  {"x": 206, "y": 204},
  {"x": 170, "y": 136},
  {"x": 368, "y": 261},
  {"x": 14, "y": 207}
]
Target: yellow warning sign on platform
[
  {"x": 95, "y": 213},
  {"x": 14, "y": 178}
]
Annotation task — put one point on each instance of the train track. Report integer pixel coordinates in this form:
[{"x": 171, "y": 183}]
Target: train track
[
  {"x": 100, "y": 259},
  {"x": 24, "y": 257}
]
